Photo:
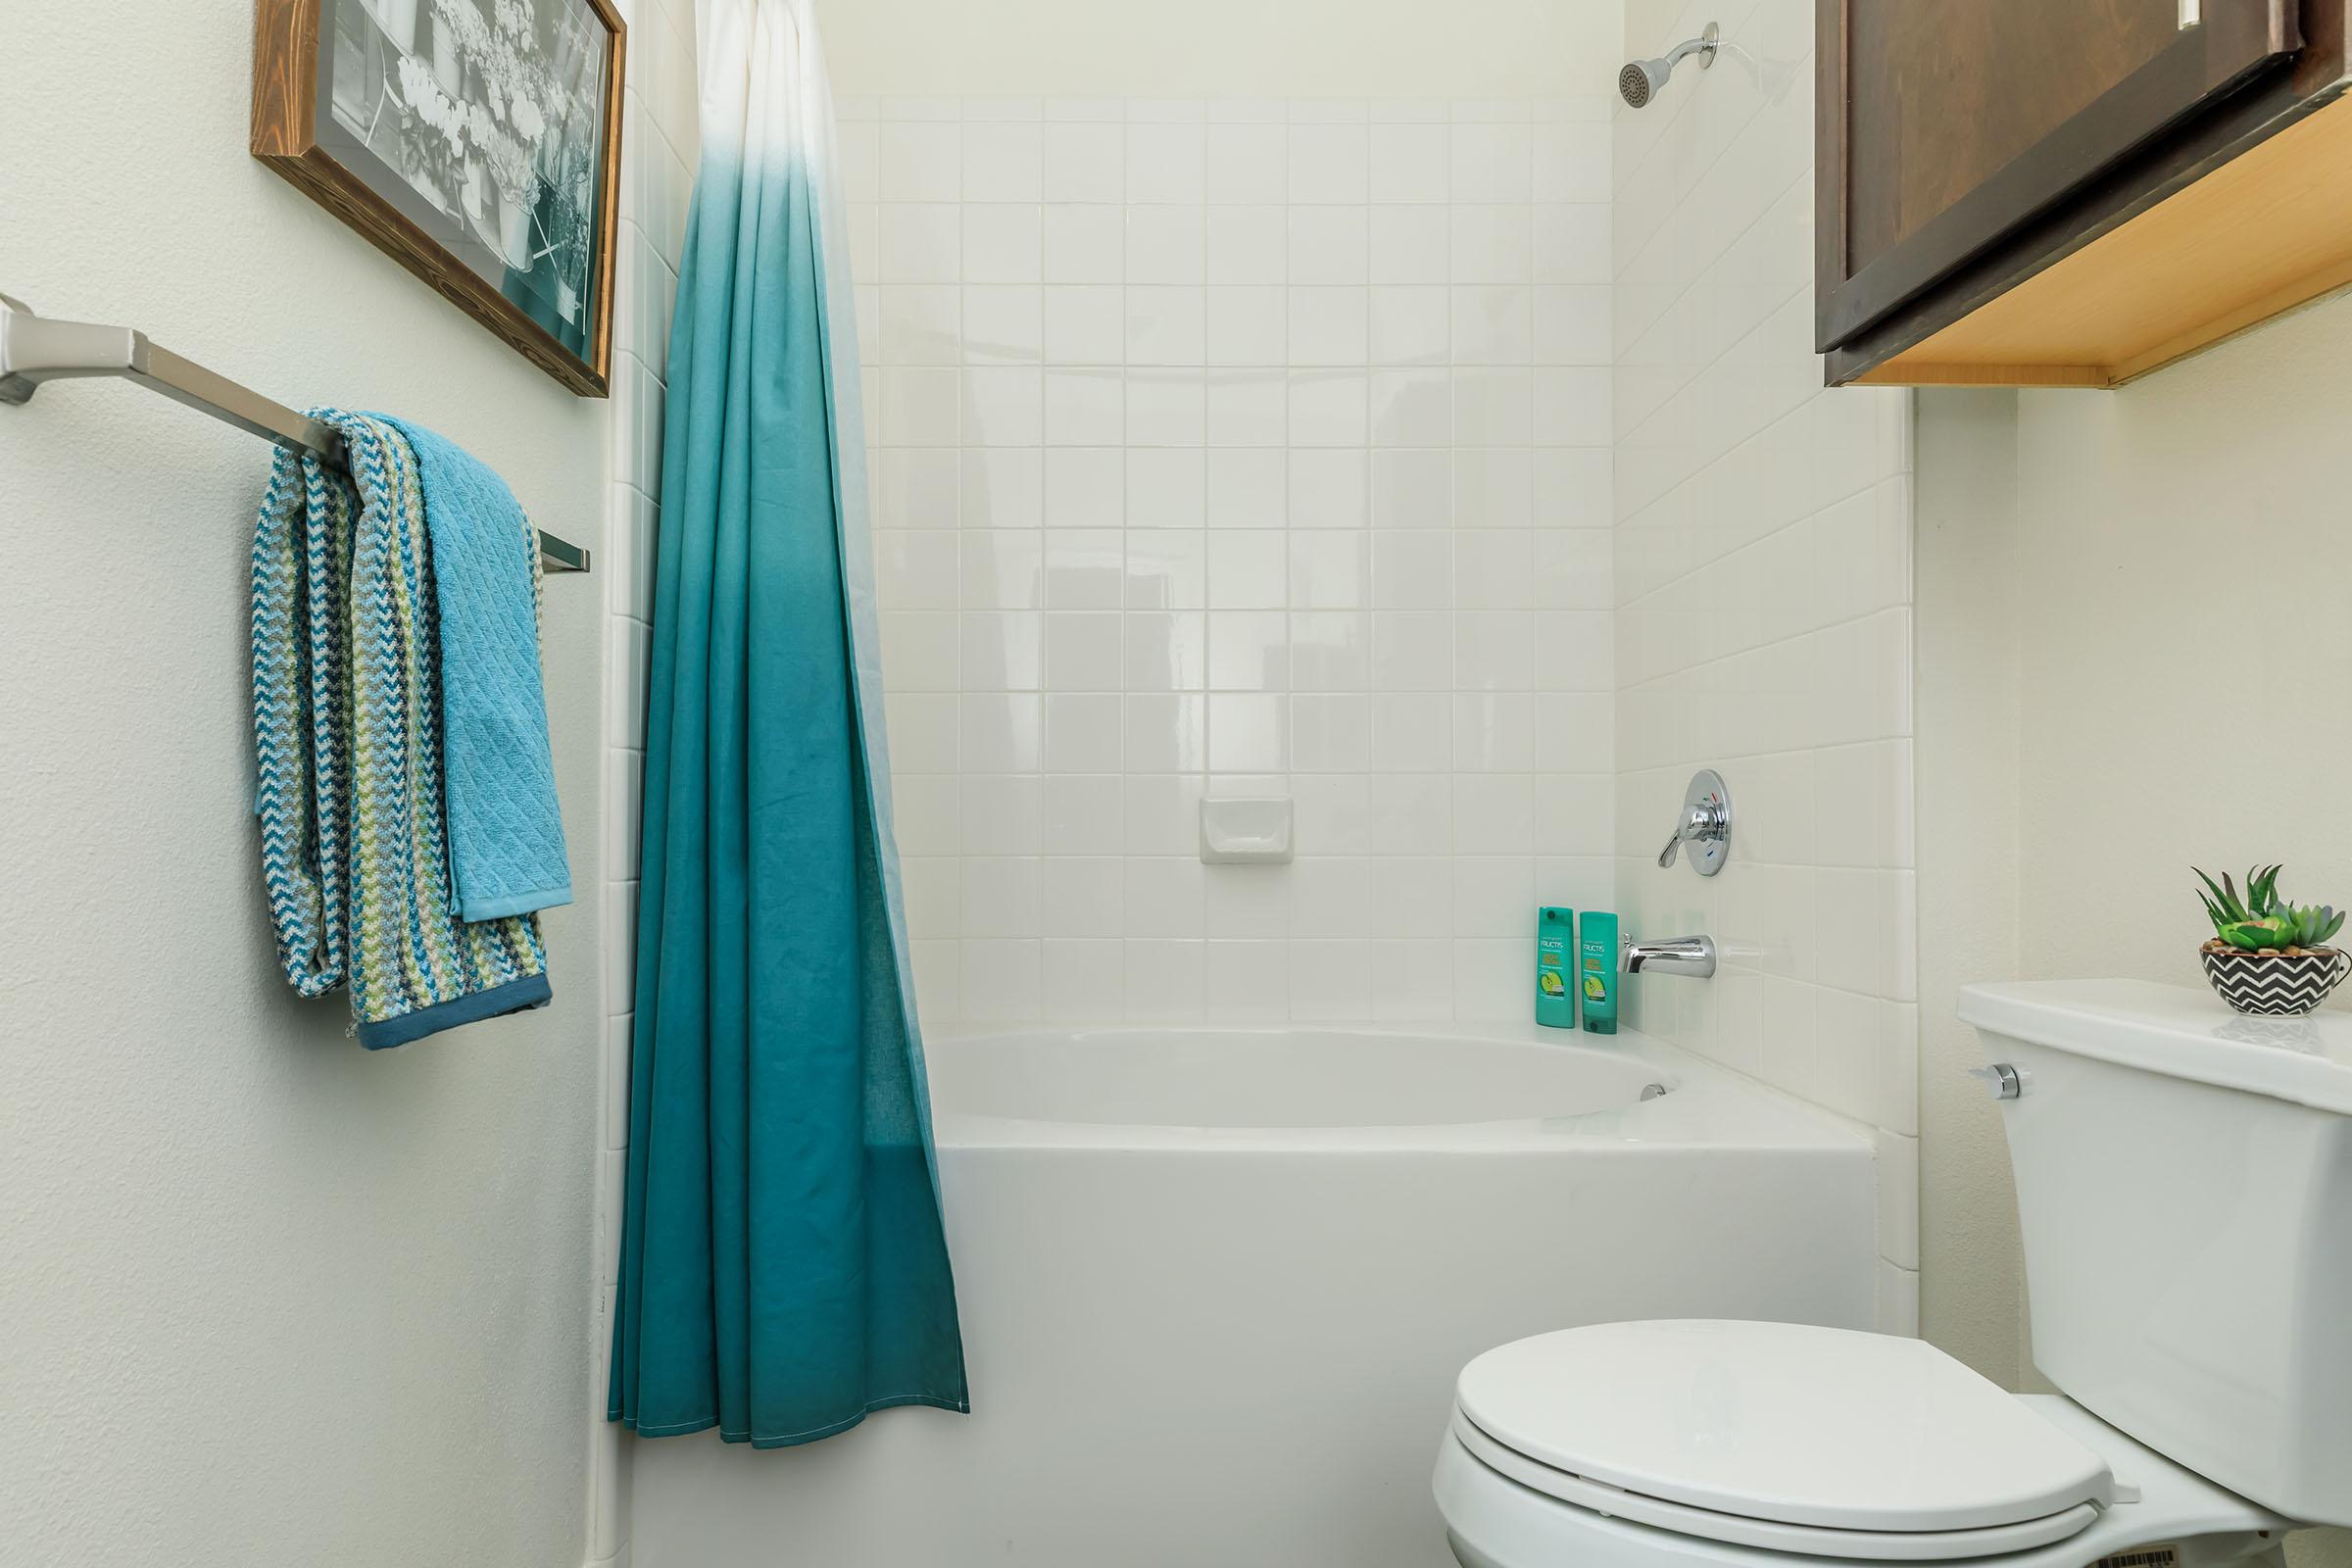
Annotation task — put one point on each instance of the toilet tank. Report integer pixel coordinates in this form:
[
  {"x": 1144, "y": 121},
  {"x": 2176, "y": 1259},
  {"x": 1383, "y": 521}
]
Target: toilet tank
[{"x": 2185, "y": 1183}]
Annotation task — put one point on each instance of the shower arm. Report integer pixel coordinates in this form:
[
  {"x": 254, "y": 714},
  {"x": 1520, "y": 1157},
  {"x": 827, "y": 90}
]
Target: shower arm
[{"x": 1693, "y": 46}]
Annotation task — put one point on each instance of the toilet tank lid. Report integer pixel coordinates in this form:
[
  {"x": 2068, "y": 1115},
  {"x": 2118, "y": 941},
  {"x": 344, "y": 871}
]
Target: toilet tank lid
[
  {"x": 1783, "y": 1422},
  {"x": 2177, "y": 1031}
]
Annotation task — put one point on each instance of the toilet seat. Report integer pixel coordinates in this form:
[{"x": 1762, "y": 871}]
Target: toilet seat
[
  {"x": 1878, "y": 1445},
  {"x": 1786, "y": 1437},
  {"x": 1813, "y": 1541}
]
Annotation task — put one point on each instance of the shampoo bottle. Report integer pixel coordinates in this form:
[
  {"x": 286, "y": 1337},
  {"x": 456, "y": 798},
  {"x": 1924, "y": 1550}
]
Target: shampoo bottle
[
  {"x": 1555, "y": 968},
  {"x": 1596, "y": 972}
]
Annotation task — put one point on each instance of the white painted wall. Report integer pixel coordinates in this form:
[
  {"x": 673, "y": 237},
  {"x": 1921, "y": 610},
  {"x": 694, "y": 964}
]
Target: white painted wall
[
  {"x": 270, "y": 1298},
  {"x": 1972, "y": 661},
  {"x": 1242, "y": 422},
  {"x": 1763, "y": 568},
  {"x": 2084, "y": 679}
]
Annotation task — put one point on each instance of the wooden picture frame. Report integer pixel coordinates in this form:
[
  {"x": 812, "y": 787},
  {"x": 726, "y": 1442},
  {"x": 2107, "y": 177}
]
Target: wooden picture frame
[{"x": 457, "y": 149}]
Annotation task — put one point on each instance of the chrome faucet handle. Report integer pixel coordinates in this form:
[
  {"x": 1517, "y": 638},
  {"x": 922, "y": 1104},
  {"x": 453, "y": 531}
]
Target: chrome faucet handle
[{"x": 1705, "y": 825}]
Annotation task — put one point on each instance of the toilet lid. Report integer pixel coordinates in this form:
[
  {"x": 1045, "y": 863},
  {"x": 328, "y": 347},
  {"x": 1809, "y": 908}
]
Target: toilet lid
[{"x": 1781, "y": 1422}]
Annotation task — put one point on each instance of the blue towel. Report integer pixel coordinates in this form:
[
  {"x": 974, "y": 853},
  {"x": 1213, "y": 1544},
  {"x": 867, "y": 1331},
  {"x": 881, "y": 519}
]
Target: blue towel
[
  {"x": 506, "y": 833},
  {"x": 347, "y": 739}
]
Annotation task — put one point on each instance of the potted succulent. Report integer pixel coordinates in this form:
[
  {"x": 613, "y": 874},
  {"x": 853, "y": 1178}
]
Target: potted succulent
[{"x": 2268, "y": 955}]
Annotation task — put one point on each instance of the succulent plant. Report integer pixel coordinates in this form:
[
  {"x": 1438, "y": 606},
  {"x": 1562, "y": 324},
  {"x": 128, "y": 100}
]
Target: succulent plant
[{"x": 2262, "y": 920}]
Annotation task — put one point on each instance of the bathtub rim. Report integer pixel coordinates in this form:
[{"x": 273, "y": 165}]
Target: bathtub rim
[{"x": 1707, "y": 1105}]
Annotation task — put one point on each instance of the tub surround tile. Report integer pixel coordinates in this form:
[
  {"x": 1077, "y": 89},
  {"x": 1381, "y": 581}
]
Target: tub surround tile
[
  {"x": 1249, "y": 981},
  {"x": 1207, "y": 456},
  {"x": 1166, "y": 980},
  {"x": 1002, "y": 981},
  {"x": 1761, "y": 566},
  {"x": 1082, "y": 978},
  {"x": 1412, "y": 981},
  {"x": 1898, "y": 1199},
  {"x": 1898, "y": 1300}
]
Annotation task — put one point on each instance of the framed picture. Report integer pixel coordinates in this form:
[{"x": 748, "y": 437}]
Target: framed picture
[{"x": 478, "y": 142}]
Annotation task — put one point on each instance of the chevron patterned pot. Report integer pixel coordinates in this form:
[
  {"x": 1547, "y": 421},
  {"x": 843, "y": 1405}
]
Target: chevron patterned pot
[{"x": 2279, "y": 983}]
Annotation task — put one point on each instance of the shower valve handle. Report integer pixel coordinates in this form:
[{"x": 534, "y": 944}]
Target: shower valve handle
[{"x": 1705, "y": 823}]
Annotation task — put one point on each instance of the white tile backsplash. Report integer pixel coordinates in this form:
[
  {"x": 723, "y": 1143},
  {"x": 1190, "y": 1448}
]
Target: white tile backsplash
[{"x": 1265, "y": 520}]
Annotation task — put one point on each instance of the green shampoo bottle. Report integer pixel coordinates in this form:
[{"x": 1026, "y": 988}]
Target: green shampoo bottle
[
  {"x": 1596, "y": 972},
  {"x": 1555, "y": 968}
]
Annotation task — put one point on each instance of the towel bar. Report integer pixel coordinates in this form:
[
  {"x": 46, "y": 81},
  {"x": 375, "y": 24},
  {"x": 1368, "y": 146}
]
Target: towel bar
[{"x": 34, "y": 349}]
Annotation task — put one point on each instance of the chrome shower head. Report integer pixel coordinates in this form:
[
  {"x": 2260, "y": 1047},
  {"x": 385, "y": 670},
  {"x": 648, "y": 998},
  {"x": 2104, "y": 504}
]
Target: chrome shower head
[{"x": 1642, "y": 79}]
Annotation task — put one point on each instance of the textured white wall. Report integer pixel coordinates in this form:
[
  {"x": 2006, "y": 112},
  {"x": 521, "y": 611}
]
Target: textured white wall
[
  {"x": 270, "y": 1298},
  {"x": 1763, "y": 560},
  {"x": 2165, "y": 534}
]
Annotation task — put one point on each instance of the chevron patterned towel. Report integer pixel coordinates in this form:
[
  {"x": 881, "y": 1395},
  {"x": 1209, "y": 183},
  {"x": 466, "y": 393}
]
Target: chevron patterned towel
[{"x": 347, "y": 731}]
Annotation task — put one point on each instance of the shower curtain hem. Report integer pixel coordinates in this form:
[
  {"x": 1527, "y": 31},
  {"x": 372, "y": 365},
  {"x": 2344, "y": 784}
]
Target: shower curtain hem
[{"x": 679, "y": 1429}]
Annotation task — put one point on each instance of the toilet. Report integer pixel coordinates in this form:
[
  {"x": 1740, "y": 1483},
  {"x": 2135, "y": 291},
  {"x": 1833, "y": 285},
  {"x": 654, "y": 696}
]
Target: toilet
[{"x": 2185, "y": 1182}]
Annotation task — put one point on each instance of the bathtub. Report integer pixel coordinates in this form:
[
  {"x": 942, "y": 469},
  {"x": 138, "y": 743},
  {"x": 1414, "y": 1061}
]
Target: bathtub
[{"x": 1216, "y": 1285}]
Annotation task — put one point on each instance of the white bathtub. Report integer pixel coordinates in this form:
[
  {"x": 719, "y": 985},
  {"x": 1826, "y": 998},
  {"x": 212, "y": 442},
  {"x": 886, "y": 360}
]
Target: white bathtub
[{"x": 1216, "y": 1284}]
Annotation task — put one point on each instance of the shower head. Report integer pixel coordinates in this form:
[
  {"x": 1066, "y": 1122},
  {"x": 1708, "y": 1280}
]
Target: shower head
[{"x": 1641, "y": 80}]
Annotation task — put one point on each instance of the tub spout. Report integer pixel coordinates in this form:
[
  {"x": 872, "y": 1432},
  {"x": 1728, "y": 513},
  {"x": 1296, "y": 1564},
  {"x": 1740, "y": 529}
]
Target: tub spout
[{"x": 1690, "y": 956}]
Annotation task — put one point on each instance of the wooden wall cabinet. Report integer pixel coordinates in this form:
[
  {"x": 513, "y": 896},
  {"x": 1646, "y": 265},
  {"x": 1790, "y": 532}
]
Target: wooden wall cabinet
[{"x": 2072, "y": 192}]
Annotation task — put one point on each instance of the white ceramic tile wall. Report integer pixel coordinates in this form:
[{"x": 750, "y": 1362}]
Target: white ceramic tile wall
[
  {"x": 1239, "y": 447},
  {"x": 660, "y": 139},
  {"x": 1763, "y": 596}
]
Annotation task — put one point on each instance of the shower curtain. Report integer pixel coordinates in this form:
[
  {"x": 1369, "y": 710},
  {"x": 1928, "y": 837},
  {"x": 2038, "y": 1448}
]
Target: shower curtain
[{"x": 783, "y": 1267}]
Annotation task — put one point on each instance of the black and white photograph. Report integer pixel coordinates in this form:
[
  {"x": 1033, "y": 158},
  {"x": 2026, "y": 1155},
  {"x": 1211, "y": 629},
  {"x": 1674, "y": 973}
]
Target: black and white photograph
[{"x": 484, "y": 121}]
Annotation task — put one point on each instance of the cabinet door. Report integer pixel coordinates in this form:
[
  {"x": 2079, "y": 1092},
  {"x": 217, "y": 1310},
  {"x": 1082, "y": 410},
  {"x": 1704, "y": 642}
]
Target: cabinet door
[{"x": 1943, "y": 124}]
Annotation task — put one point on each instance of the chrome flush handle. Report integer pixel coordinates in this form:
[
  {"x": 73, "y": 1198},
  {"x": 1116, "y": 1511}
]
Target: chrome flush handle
[{"x": 2005, "y": 1081}]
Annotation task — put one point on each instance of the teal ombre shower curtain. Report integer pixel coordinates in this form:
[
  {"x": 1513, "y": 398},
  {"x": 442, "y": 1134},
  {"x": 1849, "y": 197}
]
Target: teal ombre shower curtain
[{"x": 783, "y": 1268}]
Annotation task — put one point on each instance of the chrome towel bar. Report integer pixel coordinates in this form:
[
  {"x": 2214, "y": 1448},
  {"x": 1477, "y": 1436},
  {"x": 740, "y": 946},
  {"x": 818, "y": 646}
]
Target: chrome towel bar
[{"x": 34, "y": 349}]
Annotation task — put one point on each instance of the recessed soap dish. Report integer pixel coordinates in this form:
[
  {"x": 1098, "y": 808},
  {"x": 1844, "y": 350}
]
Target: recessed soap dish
[{"x": 1246, "y": 830}]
